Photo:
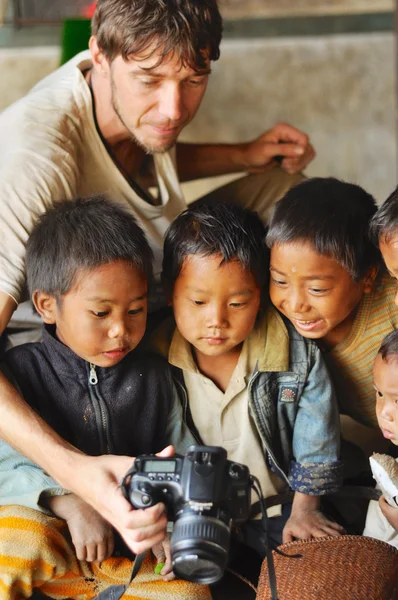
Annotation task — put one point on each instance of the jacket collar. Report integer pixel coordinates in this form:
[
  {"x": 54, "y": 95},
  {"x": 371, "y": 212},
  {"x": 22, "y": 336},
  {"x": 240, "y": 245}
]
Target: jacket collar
[{"x": 68, "y": 362}]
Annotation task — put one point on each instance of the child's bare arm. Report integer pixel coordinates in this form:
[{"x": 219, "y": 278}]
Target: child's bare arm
[
  {"x": 307, "y": 521},
  {"x": 390, "y": 513},
  {"x": 91, "y": 535}
]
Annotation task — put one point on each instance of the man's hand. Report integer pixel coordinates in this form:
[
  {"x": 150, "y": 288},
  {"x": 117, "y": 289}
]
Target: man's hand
[
  {"x": 282, "y": 140},
  {"x": 91, "y": 535},
  {"x": 98, "y": 483},
  {"x": 390, "y": 513},
  {"x": 162, "y": 554}
]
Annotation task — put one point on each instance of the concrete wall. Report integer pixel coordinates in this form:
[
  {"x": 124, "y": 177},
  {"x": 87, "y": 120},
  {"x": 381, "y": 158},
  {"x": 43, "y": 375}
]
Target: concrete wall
[
  {"x": 339, "y": 89},
  {"x": 241, "y": 9}
]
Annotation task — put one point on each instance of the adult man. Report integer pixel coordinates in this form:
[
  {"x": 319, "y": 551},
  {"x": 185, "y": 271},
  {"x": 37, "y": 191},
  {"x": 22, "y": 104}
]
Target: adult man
[{"x": 105, "y": 122}]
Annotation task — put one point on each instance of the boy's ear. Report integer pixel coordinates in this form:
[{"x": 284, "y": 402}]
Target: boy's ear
[
  {"x": 45, "y": 305},
  {"x": 369, "y": 279}
]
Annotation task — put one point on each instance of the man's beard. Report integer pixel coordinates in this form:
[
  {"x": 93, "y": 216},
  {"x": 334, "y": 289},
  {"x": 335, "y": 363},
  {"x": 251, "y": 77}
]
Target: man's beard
[{"x": 146, "y": 147}]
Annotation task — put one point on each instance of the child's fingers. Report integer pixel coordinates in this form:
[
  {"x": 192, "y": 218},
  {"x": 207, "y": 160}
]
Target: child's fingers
[{"x": 287, "y": 536}]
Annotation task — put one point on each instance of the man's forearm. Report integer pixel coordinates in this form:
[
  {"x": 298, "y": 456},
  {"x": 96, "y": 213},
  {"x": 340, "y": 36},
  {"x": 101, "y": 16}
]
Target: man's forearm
[
  {"x": 7, "y": 307},
  {"x": 23, "y": 429},
  {"x": 195, "y": 161}
]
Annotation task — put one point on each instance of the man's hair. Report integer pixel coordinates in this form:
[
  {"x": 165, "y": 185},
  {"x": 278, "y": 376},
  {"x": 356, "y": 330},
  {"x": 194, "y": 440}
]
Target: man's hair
[
  {"x": 191, "y": 28},
  {"x": 333, "y": 217},
  {"x": 389, "y": 347},
  {"x": 210, "y": 228},
  {"x": 82, "y": 234},
  {"x": 384, "y": 224}
]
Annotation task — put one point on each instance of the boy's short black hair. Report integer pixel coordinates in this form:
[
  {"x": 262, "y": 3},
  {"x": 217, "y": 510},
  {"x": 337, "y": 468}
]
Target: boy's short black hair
[
  {"x": 81, "y": 234},
  {"x": 209, "y": 228},
  {"x": 389, "y": 347},
  {"x": 331, "y": 215},
  {"x": 384, "y": 223}
]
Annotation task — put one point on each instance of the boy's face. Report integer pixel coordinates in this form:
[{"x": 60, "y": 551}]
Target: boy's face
[
  {"x": 313, "y": 291},
  {"x": 385, "y": 377},
  {"x": 103, "y": 317},
  {"x": 389, "y": 250},
  {"x": 215, "y": 305}
]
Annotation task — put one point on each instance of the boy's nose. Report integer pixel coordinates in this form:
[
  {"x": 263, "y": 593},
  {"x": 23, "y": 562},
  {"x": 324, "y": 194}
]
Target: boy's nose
[
  {"x": 216, "y": 317},
  {"x": 384, "y": 410},
  {"x": 297, "y": 302},
  {"x": 118, "y": 329}
]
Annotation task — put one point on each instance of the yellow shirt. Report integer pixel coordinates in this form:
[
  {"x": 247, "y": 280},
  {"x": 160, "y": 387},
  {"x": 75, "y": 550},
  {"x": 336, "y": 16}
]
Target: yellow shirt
[{"x": 351, "y": 361}]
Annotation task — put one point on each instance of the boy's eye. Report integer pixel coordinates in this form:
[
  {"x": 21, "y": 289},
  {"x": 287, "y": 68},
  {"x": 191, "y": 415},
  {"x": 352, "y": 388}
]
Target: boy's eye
[
  {"x": 278, "y": 282},
  {"x": 318, "y": 290},
  {"x": 237, "y": 304},
  {"x": 197, "y": 302},
  {"x": 135, "y": 311},
  {"x": 100, "y": 314}
]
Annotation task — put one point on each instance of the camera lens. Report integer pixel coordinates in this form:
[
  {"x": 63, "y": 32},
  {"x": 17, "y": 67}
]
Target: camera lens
[{"x": 199, "y": 547}]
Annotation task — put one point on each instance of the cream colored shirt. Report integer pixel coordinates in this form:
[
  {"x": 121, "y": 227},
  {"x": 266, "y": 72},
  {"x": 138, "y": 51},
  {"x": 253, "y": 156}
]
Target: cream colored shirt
[
  {"x": 50, "y": 150},
  {"x": 223, "y": 418}
]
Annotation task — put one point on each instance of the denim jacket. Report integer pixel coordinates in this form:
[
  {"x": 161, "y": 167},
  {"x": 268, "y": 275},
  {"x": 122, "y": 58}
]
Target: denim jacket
[{"x": 292, "y": 403}]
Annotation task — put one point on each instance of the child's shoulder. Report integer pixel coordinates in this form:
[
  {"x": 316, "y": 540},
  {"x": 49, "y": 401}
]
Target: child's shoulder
[
  {"x": 21, "y": 353},
  {"x": 281, "y": 345},
  {"x": 160, "y": 340}
]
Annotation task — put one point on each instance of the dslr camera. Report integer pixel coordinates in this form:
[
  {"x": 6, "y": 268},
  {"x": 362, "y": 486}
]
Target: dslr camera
[{"x": 205, "y": 495}]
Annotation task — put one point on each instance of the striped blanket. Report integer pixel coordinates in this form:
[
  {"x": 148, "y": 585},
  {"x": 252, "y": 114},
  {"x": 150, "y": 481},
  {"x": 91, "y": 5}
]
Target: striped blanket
[{"x": 35, "y": 553}]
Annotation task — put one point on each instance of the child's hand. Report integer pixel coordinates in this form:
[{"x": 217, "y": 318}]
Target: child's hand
[
  {"x": 162, "y": 553},
  {"x": 390, "y": 513},
  {"x": 309, "y": 524},
  {"x": 91, "y": 535}
]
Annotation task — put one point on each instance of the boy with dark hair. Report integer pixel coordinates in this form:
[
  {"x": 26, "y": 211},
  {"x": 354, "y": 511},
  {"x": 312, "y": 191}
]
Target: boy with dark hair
[
  {"x": 88, "y": 265},
  {"x": 252, "y": 384},
  {"x": 382, "y": 517},
  {"x": 323, "y": 279},
  {"x": 384, "y": 233}
]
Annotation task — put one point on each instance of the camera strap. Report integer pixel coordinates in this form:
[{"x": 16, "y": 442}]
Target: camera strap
[
  {"x": 255, "y": 484},
  {"x": 115, "y": 592}
]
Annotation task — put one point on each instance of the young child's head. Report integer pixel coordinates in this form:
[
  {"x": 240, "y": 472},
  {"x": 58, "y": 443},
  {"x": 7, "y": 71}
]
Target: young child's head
[
  {"x": 385, "y": 377},
  {"x": 88, "y": 265},
  {"x": 322, "y": 259},
  {"x": 215, "y": 268},
  {"x": 384, "y": 233}
]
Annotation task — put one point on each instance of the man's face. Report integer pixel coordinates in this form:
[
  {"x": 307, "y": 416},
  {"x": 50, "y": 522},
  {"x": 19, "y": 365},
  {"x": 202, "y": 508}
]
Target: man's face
[
  {"x": 215, "y": 304},
  {"x": 313, "y": 291},
  {"x": 385, "y": 377},
  {"x": 155, "y": 102},
  {"x": 389, "y": 251},
  {"x": 103, "y": 317}
]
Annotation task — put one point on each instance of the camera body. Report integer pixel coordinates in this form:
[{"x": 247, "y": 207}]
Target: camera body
[{"x": 205, "y": 494}]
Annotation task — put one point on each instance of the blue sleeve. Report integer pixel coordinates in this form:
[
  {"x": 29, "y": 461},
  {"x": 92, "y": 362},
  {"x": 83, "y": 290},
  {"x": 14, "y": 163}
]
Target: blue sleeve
[
  {"x": 23, "y": 482},
  {"x": 316, "y": 468}
]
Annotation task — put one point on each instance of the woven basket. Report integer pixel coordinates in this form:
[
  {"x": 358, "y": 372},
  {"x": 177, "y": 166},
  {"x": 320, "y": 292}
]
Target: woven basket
[{"x": 338, "y": 568}]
